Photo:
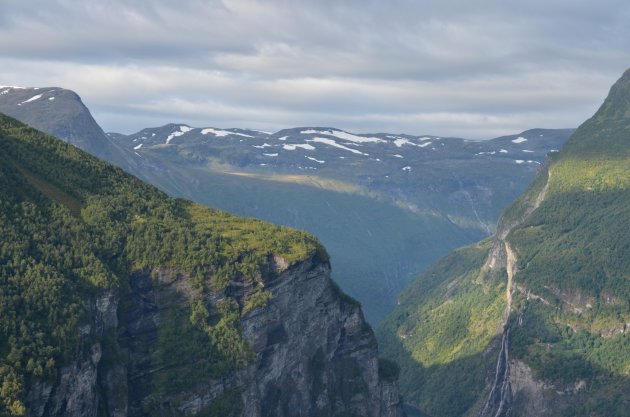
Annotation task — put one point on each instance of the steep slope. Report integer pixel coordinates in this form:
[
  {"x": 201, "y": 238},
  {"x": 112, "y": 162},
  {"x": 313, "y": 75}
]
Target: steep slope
[
  {"x": 61, "y": 113},
  {"x": 116, "y": 300},
  {"x": 533, "y": 322}
]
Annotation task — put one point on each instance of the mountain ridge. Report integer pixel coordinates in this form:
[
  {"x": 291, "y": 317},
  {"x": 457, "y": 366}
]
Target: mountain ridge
[
  {"x": 72, "y": 121},
  {"x": 552, "y": 289}
]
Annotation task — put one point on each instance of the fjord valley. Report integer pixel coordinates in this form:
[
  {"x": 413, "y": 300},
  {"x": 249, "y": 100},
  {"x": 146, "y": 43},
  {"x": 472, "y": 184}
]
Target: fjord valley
[
  {"x": 271, "y": 208},
  {"x": 385, "y": 205},
  {"x": 116, "y": 300},
  {"x": 534, "y": 320}
]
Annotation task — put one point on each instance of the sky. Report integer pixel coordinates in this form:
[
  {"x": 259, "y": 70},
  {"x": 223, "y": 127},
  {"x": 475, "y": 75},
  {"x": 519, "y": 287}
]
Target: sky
[{"x": 473, "y": 69}]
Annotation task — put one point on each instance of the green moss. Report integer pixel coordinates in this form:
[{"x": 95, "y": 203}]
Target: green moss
[{"x": 257, "y": 299}]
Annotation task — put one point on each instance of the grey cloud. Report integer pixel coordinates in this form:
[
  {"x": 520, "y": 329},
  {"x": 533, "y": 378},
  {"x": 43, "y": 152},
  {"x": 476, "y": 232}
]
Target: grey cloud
[{"x": 461, "y": 68}]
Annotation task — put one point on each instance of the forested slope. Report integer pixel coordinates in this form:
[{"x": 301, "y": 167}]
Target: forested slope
[
  {"x": 549, "y": 295},
  {"x": 117, "y": 299}
]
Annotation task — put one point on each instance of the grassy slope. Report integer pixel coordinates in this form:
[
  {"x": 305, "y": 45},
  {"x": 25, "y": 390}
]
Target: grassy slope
[
  {"x": 574, "y": 251},
  {"x": 73, "y": 226}
]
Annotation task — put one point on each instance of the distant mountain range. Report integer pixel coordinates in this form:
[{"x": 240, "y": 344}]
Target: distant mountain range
[
  {"x": 384, "y": 164},
  {"x": 385, "y": 205}
]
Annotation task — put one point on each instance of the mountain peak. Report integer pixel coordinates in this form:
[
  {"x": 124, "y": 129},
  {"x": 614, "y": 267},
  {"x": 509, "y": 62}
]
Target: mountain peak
[
  {"x": 606, "y": 133},
  {"x": 617, "y": 104},
  {"x": 62, "y": 113}
]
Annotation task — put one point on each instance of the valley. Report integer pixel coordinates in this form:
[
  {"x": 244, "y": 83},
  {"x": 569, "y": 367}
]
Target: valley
[
  {"x": 248, "y": 208},
  {"x": 385, "y": 205}
]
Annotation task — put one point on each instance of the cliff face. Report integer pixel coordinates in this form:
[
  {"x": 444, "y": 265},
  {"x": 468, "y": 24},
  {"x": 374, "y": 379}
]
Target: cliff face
[
  {"x": 314, "y": 354},
  {"x": 118, "y": 301}
]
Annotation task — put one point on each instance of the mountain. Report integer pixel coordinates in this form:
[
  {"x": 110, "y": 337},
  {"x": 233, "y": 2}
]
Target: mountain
[
  {"x": 116, "y": 300},
  {"x": 533, "y": 321},
  {"x": 385, "y": 205},
  {"x": 61, "y": 113},
  {"x": 422, "y": 174}
]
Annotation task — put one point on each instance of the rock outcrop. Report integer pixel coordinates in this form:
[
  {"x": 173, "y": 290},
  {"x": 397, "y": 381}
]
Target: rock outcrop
[{"x": 314, "y": 354}]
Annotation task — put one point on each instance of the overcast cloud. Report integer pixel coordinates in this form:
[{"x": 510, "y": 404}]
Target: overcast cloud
[{"x": 475, "y": 69}]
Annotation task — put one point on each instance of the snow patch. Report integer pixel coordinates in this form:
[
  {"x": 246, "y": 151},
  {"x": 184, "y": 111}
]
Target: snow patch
[
  {"x": 398, "y": 156},
  {"x": 37, "y": 97},
  {"x": 528, "y": 151},
  {"x": 138, "y": 147},
  {"x": 342, "y": 135},
  {"x": 221, "y": 133},
  {"x": 519, "y": 139},
  {"x": 263, "y": 146},
  {"x": 292, "y": 147},
  {"x": 503, "y": 151},
  {"x": 407, "y": 168},
  {"x": 182, "y": 129},
  {"x": 316, "y": 160},
  {"x": 400, "y": 142},
  {"x": 519, "y": 161},
  {"x": 270, "y": 154},
  {"x": 283, "y": 138},
  {"x": 51, "y": 98},
  {"x": 331, "y": 142}
]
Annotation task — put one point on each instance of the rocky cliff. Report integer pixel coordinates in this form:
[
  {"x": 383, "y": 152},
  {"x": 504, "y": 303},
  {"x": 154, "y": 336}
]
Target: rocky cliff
[
  {"x": 314, "y": 354},
  {"x": 118, "y": 301}
]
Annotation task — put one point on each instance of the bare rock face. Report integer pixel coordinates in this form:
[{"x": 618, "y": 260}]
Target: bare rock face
[
  {"x": 314, "y": 354},
  {"x": 529, "y": 393}
]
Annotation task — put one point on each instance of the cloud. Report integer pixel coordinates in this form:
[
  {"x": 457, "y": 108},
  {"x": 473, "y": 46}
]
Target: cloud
[{"x": 473, "y": 69}]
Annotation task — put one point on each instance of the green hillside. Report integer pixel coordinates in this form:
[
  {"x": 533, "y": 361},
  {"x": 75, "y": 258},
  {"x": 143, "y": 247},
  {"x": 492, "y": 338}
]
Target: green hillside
[
  {"x": 73, "y": 226},
  {"x": 555, "y": 281}
]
